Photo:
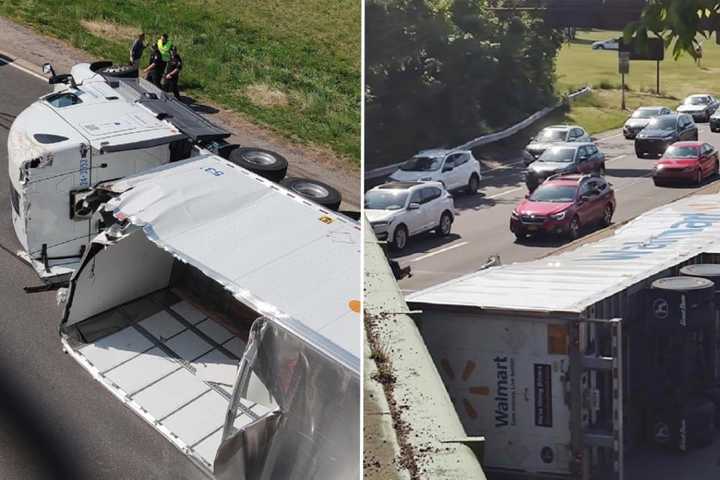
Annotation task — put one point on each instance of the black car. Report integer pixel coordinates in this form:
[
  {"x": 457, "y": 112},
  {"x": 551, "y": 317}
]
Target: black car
[
  {"x": 565, "y": 158},
  {"x": 663, "y": 131}
]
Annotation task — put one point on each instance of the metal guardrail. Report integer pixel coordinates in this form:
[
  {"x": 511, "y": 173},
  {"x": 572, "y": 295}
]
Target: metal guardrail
[{"x": 492, "y": 137}]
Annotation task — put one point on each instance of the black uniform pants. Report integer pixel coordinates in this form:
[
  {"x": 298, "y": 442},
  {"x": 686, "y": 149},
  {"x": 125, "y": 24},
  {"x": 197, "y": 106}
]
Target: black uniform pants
[{"x": 172, "y": 86}]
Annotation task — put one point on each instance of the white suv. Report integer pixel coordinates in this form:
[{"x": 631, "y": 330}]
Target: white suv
[
  {"x": 399, "y": 210},
  {"x": 455, "y": 169}
]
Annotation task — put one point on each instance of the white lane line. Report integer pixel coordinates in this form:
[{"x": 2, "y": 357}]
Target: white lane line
[
  {"x": 23, "y": 69},
  {"x": 614, "y": 158},
  {"x": 437, "y": 252},
  {"x": 497, "y": 195},
  {"x": 502, "y": 167}
]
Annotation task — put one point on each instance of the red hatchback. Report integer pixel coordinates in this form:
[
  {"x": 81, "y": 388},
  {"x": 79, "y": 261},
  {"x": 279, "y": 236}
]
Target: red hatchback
[
  {"x": 563, "y": 205},
  {"x": 686, "y": 161}
]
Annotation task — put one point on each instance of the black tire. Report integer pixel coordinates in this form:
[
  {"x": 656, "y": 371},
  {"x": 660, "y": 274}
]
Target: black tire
[
  {"x": 445, "y": 225},
  {"x": 574, "y": 228},
  {"x": 713, "y": 394},
  {"x": 658, "y": 183},
  {"x": 265, "y": 163},
  {"x": 699, "y": 177},
  {"x": 601, "y": 170},
  {"x": 696, "y": 137},
  {"x": 473, "y": 184},
  {"x": 700, "y": 422},
  {"x": 319, "y": 192},
  {"x": 400, "y": 238},
  {"x": 607, "y": 215},
  {"x": 520, "y": 237},
  {"x": 119, "y": 71}
]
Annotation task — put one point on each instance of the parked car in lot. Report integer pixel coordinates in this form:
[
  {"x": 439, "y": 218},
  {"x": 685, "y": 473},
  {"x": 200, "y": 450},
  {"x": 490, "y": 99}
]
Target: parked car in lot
[
  {"x": 640, "y": 119},
  {"x": 563, "y": 205},
  {"x": 399, "y": 210},
  {"x": 553, "y": 135},
  {"x": 662, "y": 132},
  {"x": 700, "y": 107},
  {"x": 686, "y": 161},
  {"x": 456, "y": 169},
  {"x": 565, "y": 158},
  {"x": 611, "y": 44}
]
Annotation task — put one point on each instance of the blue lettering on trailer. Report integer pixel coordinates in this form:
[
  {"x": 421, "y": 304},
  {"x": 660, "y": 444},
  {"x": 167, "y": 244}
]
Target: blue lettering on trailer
[
  {"x": 214, "y": 171},
  {"x": 691, "y": 224}
]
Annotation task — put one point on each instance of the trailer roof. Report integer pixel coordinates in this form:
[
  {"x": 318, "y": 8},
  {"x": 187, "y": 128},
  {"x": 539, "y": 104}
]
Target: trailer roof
[
  {"x": 573, "y": 281},
  {"x": 285, "y": 257}
]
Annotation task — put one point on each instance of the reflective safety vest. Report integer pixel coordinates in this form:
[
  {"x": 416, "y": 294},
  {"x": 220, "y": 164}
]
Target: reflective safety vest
[{"x": 164, "y": 49}]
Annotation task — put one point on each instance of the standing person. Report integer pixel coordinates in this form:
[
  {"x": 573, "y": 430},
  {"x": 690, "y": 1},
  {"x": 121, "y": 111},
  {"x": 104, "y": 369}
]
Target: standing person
[
  {"x": 137, "y": 49},
  {"x": 154, "y": 71},
  {"x": 172, "y": 76},
  {"x": 699, "y": 52},
  {"x": 164, "y": 45}
]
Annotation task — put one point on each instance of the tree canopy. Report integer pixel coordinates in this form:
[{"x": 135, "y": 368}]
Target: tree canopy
[
  {"x": 440, "y": 73},
  {"x": 679, "y": 22}
]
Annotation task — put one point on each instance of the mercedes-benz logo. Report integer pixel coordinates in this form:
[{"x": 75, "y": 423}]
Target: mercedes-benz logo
[{"x": 661, "y": 308}]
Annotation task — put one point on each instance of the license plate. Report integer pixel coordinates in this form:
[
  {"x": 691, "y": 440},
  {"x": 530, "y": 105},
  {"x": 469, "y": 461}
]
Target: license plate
[{"x": 532, "y": 228}]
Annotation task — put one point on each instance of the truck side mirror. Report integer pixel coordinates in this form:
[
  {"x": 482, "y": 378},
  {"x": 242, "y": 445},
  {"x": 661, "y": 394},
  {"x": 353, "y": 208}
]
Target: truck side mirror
[{"x": 48, "y": 69}]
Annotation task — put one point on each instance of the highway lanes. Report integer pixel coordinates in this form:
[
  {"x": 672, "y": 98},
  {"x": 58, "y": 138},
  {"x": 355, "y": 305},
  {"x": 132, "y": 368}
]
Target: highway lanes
[
  {"x": 55, "y": 420},
  {"x": 481, "y": 226}
]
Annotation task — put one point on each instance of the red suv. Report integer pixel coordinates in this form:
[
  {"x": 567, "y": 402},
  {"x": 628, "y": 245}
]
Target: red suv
[{"x": 563, "y": 205}]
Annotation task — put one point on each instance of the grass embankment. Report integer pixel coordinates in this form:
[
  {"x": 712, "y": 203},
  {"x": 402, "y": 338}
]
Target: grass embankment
[
  {"x": 578, "y": 65},
  {"x": 293, "y": 65}
]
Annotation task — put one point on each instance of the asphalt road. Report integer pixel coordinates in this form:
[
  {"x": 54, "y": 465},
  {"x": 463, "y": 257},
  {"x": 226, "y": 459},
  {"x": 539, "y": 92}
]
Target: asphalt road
[
  {"x": 481, "y": 227},
  {"x": 56, "y": 422}
]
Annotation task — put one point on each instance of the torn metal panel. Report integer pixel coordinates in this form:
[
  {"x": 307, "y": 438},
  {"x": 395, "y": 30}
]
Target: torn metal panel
[{"x": 318, "y": 433}]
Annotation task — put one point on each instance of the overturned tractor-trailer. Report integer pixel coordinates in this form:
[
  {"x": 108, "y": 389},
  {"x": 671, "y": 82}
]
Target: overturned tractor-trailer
[
  {"x": 568, "y": 363},
  {"x": 224, "y": 310},
  {"x": 94, "y": 128}
]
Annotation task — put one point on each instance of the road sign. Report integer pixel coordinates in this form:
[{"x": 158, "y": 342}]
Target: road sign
[
  {"x": 624, "y": 62},
  {"x": 653, "y": 49}
]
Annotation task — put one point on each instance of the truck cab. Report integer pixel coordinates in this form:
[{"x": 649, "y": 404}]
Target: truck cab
[{"x": 90, "y": 129}]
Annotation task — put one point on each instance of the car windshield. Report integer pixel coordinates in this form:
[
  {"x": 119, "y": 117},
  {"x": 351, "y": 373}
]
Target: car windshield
[
  {"x": 548, "y": 135},
  {"x": 663, "y": 123},
  {"x": 675, "y": 151},
  {"x": 697, "y": 101},
  {"x": 645, "y": 113},
  {"x": 385, "y": 199},
  {"x": 554, "y": 193},
  {"x": 421, "y": 164},
  {"x": 564, "y": 155}
]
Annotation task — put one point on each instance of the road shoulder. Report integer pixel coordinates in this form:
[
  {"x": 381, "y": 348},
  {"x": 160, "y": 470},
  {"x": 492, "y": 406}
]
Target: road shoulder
[{"x": 21, "y": 45}]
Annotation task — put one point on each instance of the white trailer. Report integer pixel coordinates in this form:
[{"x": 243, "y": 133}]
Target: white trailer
[
  {"x": 224, "y": 309},
  {"x": 542, "y": 357}
]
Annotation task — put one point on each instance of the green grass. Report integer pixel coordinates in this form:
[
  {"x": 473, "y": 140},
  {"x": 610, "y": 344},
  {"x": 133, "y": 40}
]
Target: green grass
[
  {"x": 578, "y": 65},
  {"x": 307, "y": 49}
]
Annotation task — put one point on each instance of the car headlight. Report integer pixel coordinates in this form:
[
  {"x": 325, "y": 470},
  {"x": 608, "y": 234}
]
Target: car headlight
[
  {"x": 558, "y": 216},
  {"x": 515, "y": 214},
  {"x": 659, "y": 167},
  {"x": 383, "y": 223}
]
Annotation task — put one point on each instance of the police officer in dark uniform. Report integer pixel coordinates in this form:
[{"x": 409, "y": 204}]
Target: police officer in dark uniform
[
  {"x": 154, "y": 71},
  {"x": 172, "y": 76}
]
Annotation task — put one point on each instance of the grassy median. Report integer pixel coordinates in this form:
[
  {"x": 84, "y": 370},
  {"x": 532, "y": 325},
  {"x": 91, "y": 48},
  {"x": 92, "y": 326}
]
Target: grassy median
[
  {"x": 578, "y": 65},
  {"x": 293, "y": 65}
]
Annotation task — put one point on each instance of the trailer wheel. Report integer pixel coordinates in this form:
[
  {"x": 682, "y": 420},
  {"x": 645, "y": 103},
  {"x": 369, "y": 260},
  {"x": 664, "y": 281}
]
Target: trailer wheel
[
  {"x": 700, "y": 422},
  {"x": 713, "y": 394},
  {"x": 119, "y": 71},
  {"x": 265, "y": 163},
  {"x": 319, "y": 192}
]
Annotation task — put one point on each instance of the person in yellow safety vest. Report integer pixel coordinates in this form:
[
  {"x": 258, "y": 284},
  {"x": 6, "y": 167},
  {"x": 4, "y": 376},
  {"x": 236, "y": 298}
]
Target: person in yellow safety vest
[{"x": 164, "y": 46}]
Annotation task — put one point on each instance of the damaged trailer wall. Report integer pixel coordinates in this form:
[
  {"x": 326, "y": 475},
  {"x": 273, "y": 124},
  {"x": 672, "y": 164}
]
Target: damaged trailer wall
[
  {"x": 116, "y": 274},
  {"x": 318, "y": 433}
]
